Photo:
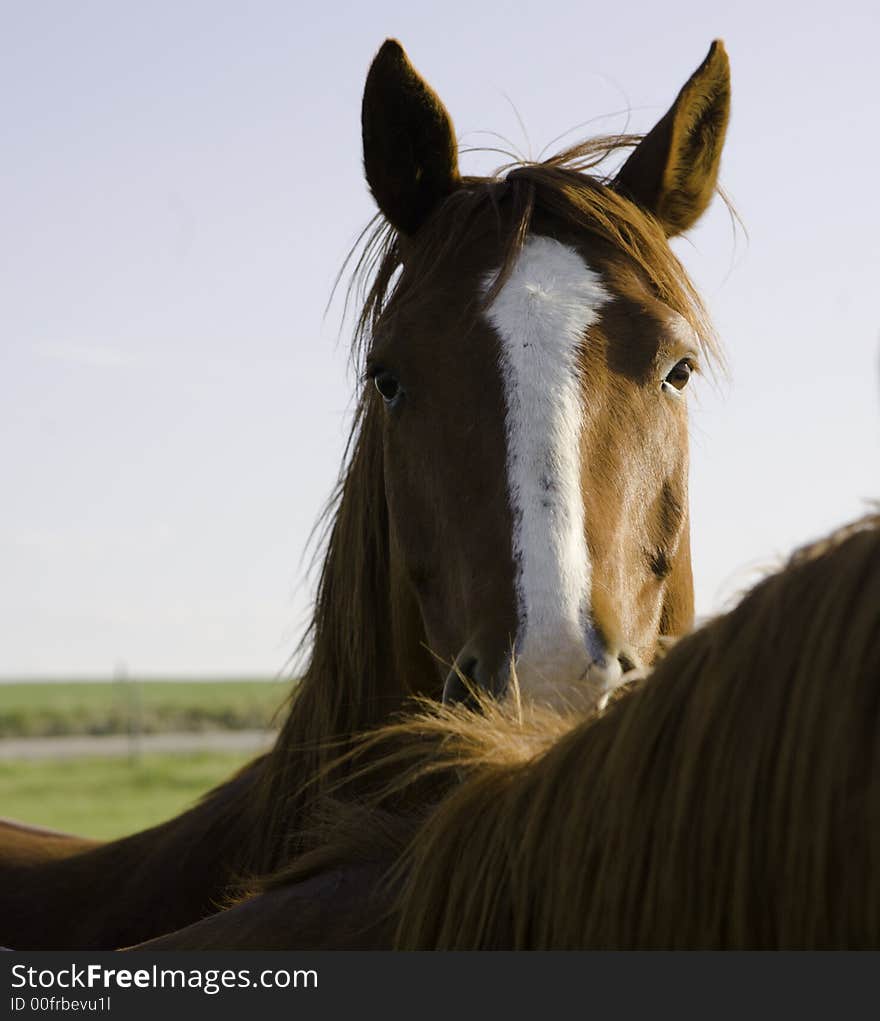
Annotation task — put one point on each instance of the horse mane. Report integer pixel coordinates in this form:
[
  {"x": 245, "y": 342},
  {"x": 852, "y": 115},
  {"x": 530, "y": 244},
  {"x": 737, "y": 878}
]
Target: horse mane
[
  {"x": 731, "y": 800},
  {"x": 352, "y": 682}
]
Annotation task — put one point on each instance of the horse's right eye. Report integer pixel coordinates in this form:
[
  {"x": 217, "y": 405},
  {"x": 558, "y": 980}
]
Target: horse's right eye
[
  {"x": 680, "y": 374},
  {"x": 387, "y": 386}
]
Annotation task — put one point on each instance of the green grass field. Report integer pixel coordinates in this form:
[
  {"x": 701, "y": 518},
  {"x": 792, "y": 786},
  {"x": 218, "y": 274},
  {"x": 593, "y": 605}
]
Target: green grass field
[
  {"x": 105, "y": 797},
  {"x": 63, "y": 708},
  {"x": 109, "y": 797}
]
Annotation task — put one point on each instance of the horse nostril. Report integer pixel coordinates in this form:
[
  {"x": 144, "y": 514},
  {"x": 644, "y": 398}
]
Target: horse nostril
[
  {"x": 469, "y": 669},
  {"x": 457, "y": 691},
  {"x": 626, "y": 664},
  {"x": 468, "y": 678}
]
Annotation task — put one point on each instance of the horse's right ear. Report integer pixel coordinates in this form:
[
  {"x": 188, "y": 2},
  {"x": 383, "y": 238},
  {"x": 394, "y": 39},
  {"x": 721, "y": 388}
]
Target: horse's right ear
[
  {"x": 673, "y": 171},
  {"x": 410, "y": 154}
]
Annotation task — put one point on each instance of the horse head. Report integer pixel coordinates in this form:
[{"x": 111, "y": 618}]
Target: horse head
[{"x": 528, "y": 360}]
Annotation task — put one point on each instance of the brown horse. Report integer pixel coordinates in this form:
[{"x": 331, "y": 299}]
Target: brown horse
[
  {"x": 731, "y": 801},
  {"x": 515, "y": 489}
]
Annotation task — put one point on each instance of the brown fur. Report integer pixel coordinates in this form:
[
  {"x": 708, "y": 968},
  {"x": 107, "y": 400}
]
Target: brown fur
[
  {"x": 369, "y": 644},
  {"x": 396, "y": 586},
  {"x": 363, "y": 667}
]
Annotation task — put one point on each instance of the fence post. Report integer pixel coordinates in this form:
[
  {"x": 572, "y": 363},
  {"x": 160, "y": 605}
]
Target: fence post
[{"x": 132, "y": 694}]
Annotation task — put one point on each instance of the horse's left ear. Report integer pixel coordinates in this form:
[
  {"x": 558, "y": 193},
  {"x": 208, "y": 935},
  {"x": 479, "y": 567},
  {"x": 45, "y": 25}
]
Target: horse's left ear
[
  {"x": 410, "y": 153},
  {"x": 673, "y": 170}
]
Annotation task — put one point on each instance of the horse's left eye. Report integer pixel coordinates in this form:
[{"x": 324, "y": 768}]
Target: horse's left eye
[
  {"x": 680, "y": 374},
  {"x": 387, "y": 386}
]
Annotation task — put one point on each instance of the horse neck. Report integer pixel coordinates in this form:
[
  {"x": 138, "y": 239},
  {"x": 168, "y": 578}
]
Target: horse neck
[
  {"x": 58, "y": 892},
  {"x": 368, "y": 653}
]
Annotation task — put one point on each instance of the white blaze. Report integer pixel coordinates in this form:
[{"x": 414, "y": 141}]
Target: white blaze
[{"x": 541, "y": 316}]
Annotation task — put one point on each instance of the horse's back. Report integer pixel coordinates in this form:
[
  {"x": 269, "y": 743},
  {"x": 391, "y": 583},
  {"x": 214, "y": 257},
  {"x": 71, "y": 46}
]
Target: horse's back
[
  {"x": 346, "y": 908},
  {"x": 25, "y": 844}
]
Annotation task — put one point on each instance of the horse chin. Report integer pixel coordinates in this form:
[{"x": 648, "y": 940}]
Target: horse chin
[{"x": 582, "y": 690}]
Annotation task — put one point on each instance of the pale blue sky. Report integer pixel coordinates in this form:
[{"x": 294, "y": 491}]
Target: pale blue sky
[{"x": 180, "y": 183}]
